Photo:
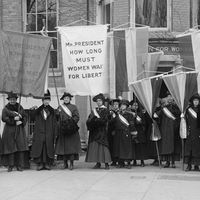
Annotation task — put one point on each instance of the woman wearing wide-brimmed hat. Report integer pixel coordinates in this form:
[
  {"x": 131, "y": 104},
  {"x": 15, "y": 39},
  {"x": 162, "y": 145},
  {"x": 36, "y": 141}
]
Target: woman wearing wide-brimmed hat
[
  {"x": 14, "y": 139},
  {"x": 97, "y": 123},
  {"x": 68, "y": 144},
  {"x": 192, "y": 142}
]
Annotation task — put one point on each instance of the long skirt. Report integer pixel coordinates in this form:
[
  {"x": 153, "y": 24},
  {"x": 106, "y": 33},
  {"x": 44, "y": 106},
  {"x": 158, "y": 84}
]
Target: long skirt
[
  {"x": 97, "y": 153},
  {"x": 68, "y": 157},
  {"x": 140, "y": 151},
  {"x": 14, "y": 159}
]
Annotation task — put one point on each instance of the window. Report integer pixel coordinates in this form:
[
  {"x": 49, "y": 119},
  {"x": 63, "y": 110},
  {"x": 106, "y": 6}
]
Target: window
[
  {"x": 42, "y": 16},
  {"x": 154, "y": 13}
]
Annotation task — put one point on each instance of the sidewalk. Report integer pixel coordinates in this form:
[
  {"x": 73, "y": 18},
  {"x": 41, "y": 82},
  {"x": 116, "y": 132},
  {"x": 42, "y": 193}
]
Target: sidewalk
[{"x": 85, "y": 183}]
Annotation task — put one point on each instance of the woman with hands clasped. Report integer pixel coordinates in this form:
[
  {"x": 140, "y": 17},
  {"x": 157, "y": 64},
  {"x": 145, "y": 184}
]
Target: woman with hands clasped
[{"x": 14, "y": 140}]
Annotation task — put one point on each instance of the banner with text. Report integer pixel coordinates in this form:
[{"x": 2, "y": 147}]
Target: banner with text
[
  {"x": 84, "y": 59},
  {"x": 24, "y": 63}
]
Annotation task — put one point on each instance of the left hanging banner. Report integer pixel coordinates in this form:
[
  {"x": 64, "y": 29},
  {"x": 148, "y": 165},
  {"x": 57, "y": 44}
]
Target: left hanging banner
[
  {"x": 85, "y": 59},
  {"x": 24, "y": 63}
]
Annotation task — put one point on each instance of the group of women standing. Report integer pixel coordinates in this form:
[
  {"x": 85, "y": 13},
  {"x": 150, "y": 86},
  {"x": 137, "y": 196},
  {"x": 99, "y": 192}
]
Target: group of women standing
[{"x": 119, "y": 133}]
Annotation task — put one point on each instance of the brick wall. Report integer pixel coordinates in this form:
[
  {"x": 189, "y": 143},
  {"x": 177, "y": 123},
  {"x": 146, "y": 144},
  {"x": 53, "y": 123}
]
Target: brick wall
[
  {"x": 180, "y": 15},
  {"x": 12, "y": 15},
  {"x": 121, "y": 12}
]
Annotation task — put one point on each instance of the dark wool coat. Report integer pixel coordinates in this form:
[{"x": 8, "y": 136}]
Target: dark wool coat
[
  {"x": 98, "y": 126},
  {"x": 169, "y": 128},
  {"x": 14, "y": 137},
  {"x": 44, "y": 131},
  {"x": 68, "y": 143},
  {"x": 122, "y": 144},
  {"x": 140, "y": 142},
  {"x": 192, "y": 143}
]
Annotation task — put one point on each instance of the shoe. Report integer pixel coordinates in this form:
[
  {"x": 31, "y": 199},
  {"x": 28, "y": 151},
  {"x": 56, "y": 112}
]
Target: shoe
[
  {"x": 97, "y": 166},
  {"x": 173, "y": 165},
  {"x": 189, "y": 167},
  {"x": 142, "y": 163},
  {"x": 65, "y": 165},
  {"x": 39, "y": 167},
  {"x": 155, "y": 163},
  {"x": 107, "y": 166},
  {"x": 196, "y": 168},
  {"x": 167, "y": 164},
  {"x": 113, "y": 164},
  {"x": 10, "y": 169},
  {"x": 47, "y": 167},
  {"x": 135, "y": 163},
  {"x": 71, "y": 166},
  {"x": 19, "y": 169},
  {"x": 128, "y": 166}
]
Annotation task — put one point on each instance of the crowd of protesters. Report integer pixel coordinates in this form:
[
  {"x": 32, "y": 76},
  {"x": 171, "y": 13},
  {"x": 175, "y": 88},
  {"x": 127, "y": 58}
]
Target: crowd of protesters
[{"x": 119, "y": 134}]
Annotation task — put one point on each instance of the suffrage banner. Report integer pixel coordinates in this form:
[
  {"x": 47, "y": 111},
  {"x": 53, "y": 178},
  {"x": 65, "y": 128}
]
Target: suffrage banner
[
  {"x": 85, "y": 59},
  {"x": 24, "y": 63}
]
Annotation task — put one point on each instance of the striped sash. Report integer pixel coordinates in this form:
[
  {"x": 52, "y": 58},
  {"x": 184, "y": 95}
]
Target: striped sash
[
  {"x": 66, "y": 110},
  {"x": 44, "y": 114},
  {"x": 168, "y": 113},
  {"x": 123, "y": 120},
  {"x": 192, "y": 113}
]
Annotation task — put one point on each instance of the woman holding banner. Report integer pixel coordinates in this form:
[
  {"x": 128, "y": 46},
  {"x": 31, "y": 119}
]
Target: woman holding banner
[
  {"x": 14, "y": 139},
  {"x": 97, "y": 124},
  {"x": 192, "y": 143},
  {"x": 68, "y": 143}
]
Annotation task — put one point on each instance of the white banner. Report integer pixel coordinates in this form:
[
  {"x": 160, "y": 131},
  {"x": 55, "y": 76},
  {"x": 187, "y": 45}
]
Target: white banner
[{"x": 84, "y": 59}]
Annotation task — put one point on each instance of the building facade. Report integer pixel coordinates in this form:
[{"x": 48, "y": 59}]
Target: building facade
[{"x": 166, "y": 18}]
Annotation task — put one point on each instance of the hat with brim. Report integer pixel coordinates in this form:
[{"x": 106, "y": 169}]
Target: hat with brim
[
  {"x": 132, "y": 102},
  {"x": 66, "y": 94},
  {"x": 124, "y": 102},
  {"x": 47, "y": 96},
  {"x": 195, "y": 96},
  {"x": 114, "y": 100},
  {"x": 12, "y": 95},
  {"x": 98, "y": 96}
]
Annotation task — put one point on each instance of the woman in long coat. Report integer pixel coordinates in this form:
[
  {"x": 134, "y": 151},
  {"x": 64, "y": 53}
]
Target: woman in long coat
[
  {"x": 97, "y": 124},
  {"x": 14, "y": 139},
  {"x": 192, "y": 142},
  {"x": 140, "y": 141},
  {"x": 124, "y": 127},
  {"x": 68, "y": 144},
  {"x": 44, "y": 134},
  {"x": 170, "y": 144}
]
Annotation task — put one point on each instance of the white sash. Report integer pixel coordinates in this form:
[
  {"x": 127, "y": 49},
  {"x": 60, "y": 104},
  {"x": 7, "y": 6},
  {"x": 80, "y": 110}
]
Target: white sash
[
  {"x": 192, "y": 113},
  {"x": 45, "y": 114},
  {"x": 66, "y": 110},
  {"x": 168, "y": 113},
  {"x": 138, "y": 118},
  {"x": 123, "y": 120},
  {"x": 96, "y": 113}
]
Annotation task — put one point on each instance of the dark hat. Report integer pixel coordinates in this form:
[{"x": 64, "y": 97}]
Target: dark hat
[
  {"x": 66, "y": 94},
  {"x": 47, "y": 95},
  {"x": 195, "y": 96},
  {"x": 124, "y": 102},
  {"x": 12, "y": 95},
  {"x": 98, "y": 96},
  {"x": 114, "y": 100},
  {"x": 132, "y": 102}
]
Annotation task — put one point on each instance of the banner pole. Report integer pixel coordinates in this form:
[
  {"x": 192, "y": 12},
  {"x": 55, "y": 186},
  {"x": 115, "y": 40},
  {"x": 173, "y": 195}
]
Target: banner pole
[
  {"x": 157, "y": 150},
  {"x": 182, "y": 154}
]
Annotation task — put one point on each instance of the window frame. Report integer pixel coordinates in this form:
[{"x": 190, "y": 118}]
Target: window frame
[
  {"x": 169, "y": 17},
  {"x": 24, "y": 14}
]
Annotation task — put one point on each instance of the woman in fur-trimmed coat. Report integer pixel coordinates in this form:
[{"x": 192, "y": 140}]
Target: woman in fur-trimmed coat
[
  {"x": 14, "y": 141},
  {"x": 68, "y": 145},
  {"x": 97, "y": 122}
]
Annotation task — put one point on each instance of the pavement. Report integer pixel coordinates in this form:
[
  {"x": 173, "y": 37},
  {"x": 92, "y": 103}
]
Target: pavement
[{"x": 85, "y": 183}]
